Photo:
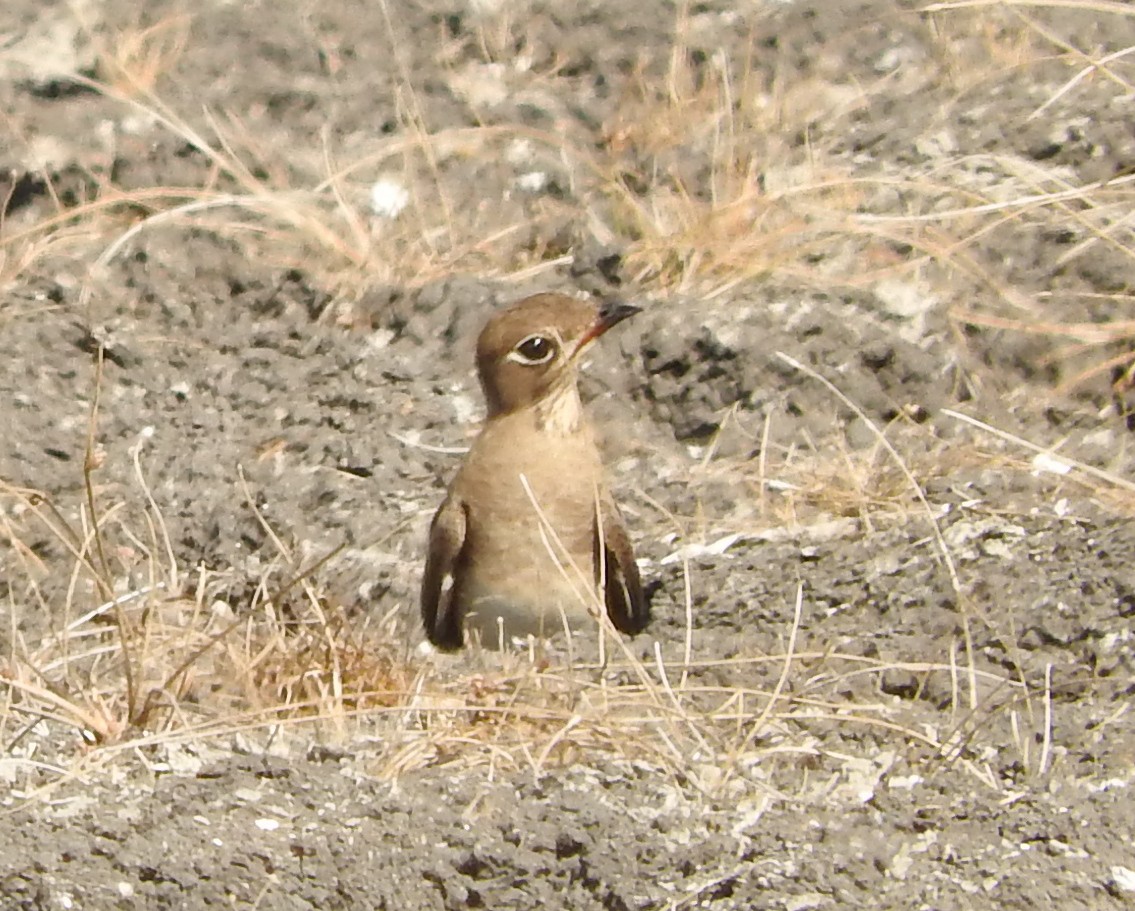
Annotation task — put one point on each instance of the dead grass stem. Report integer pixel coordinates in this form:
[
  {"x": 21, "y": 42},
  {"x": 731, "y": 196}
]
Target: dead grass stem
[{"x": 694, "y": 177}]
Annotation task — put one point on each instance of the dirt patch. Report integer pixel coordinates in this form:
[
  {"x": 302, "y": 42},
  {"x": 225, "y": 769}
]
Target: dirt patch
[{"x": 891, "y": 658}]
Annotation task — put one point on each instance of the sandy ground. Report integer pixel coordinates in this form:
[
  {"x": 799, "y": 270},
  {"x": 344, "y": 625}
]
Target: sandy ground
[{"x": 891, "y": 658}]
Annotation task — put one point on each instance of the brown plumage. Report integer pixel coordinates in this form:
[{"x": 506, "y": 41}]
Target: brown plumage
[{"x": 494, "y": 567}]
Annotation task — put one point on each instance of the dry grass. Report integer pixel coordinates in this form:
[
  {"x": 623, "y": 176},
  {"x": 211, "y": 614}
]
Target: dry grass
[
  {"x": 134, "y": 59},
  {"x": 1035, "y": 200},
  {"x": 146, "y": 657},
  {"x": 150, "y": 669},
  {"x": 702, "y": 178},
  {"x": 698, "y": 180}
]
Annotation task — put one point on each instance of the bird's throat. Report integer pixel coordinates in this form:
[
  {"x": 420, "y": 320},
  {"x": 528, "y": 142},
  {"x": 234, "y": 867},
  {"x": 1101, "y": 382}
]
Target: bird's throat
[{"x": 560, "y": 412}]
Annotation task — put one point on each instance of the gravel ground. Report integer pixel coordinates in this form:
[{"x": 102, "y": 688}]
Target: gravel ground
[{"x": 872, "y": 698}]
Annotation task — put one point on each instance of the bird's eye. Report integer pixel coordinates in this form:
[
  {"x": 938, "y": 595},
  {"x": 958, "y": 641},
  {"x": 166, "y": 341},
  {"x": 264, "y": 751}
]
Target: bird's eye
[{"x": 534, "y": 350}]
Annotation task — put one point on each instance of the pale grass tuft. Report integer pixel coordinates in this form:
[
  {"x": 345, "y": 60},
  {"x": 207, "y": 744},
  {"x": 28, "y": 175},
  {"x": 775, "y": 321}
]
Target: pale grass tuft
[{"x": 133, "y": 60}]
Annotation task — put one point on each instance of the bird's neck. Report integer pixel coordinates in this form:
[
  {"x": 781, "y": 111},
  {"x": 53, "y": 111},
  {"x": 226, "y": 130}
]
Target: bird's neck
[{"x": 560, "y": 412}]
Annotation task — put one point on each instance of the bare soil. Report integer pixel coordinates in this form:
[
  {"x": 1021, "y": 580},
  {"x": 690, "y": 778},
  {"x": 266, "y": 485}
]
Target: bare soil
[{"x": 897, "y": 674}]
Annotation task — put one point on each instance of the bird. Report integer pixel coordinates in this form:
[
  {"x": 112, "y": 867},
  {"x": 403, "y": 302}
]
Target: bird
[{"x": 528, "y": 535}]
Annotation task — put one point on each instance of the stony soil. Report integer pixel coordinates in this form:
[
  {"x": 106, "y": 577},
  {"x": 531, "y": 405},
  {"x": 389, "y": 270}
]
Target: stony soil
[{"x": 952, "y": 730}]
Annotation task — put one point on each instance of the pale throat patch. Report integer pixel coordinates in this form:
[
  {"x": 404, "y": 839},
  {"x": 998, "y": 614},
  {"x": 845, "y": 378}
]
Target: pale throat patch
[{"x": 560, "y": 412}]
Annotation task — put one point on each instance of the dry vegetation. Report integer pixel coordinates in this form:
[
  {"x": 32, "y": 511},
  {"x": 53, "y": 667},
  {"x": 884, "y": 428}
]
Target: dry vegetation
[{"x": 144, "y": 653}]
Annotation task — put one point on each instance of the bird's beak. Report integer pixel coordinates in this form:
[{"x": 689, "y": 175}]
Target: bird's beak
[{"x": 609, "y": 315}]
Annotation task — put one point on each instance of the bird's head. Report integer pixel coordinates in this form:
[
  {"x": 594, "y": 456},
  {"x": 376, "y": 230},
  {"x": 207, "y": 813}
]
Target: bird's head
[{"x": 531, "y": 350}]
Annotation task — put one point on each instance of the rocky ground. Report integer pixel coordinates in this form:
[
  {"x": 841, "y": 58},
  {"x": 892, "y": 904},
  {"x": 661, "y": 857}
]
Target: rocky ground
[{"x": 870, "y": 434}]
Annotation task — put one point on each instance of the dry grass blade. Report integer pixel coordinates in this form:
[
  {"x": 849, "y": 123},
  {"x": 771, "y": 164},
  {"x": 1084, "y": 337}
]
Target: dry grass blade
[
  {"x": 1107, "y": 477},
  {"x": 1094, "y": 6},
  {"x": 943, "y": 548}
]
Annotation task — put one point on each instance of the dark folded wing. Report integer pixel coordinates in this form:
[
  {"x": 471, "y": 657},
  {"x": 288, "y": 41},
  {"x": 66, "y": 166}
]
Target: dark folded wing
[
  {"x": 441, "y": 578},
  {"x": 627, "y": 605}
]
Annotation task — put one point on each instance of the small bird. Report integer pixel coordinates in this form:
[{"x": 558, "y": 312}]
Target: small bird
[{"x": 528, "y": 533}]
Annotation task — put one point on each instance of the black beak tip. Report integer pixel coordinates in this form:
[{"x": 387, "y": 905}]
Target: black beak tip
[{"x": 615, "y": 312}]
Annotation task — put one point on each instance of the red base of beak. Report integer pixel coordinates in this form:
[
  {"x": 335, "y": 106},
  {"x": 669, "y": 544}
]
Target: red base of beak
[{"x": 609, "y": 315}]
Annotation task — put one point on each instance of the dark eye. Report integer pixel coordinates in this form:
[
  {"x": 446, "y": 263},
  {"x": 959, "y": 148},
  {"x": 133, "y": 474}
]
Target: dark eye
[{"x": 536, "y": 349}]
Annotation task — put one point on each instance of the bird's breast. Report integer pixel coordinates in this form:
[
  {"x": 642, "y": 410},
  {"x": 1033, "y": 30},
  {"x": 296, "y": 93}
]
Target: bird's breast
[{"x": 530, "y": 497}]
